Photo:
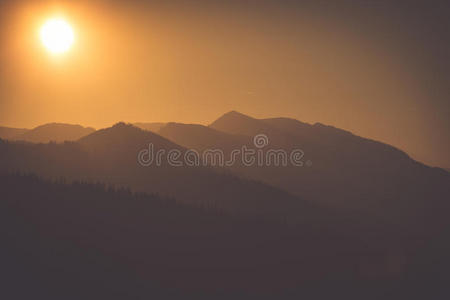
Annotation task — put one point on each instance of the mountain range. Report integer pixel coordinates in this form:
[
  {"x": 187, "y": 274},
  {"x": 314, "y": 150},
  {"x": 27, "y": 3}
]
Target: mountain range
[
  {"x": 96, "y": 215},
  {"x": 339, "y": 172}
]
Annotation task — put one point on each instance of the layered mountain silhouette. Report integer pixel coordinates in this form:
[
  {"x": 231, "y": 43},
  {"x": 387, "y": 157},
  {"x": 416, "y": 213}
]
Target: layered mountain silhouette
[
  {"x": 357, "y": 215},
  {"x": 111, "y": 155},
  {"x": 341, "y": 171},
  {"x": 52, "y": 132},
  {"x": 345, "y": 170},
  {"x": 200, "y": 138}
]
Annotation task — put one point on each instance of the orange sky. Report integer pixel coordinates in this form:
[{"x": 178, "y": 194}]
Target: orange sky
[{"x": 192, "y": 63}]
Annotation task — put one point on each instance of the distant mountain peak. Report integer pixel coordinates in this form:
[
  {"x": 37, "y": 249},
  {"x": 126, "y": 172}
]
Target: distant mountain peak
[
  {"x": 121, "y": 129},
  {"x": 123, "y": 125},
  {"x": 232, "y": 121},
  {"x": 61, "y": 125},
  {"x": 235, "y": 114},
  {"x": 125, "y": 135},
  {"x": 56, "y": 132}
]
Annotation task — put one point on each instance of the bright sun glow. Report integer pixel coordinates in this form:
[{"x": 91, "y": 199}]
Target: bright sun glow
[{"x": 57, "y": 35}]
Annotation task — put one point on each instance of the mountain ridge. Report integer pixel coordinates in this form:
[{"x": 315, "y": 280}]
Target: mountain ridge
[{"x": 54, "y": 132}]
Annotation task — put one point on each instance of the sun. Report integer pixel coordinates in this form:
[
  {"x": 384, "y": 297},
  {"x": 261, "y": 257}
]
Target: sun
[{"x": 57, "y": 35}]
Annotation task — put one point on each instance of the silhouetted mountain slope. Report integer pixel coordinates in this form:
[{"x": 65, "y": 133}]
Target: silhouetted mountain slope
[
  {"x": 88, "y": 241},
  {"x": 199, "y": 137},
  {"x": 111, "y": 155},
  {"x": 10, "y": 133},
  {"x": 344, "y": 170},
  {"x": 236, "y": 123},
  {"x": 124, "y": 138},
  {"x": 239, "y": 124},
  {"x": 54, "y": 132},
  {"x": 155, "y": 127}
]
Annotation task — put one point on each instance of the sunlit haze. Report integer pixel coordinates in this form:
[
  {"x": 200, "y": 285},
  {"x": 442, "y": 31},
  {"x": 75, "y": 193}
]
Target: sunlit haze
[{"x": 374, "y": 70}]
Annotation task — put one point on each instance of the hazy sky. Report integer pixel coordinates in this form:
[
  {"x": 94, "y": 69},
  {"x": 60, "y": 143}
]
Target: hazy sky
[{"x": 380, "y": 69}]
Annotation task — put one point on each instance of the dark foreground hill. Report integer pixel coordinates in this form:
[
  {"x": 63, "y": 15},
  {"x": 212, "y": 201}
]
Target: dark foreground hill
[{"x": 87, "y": 241}]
